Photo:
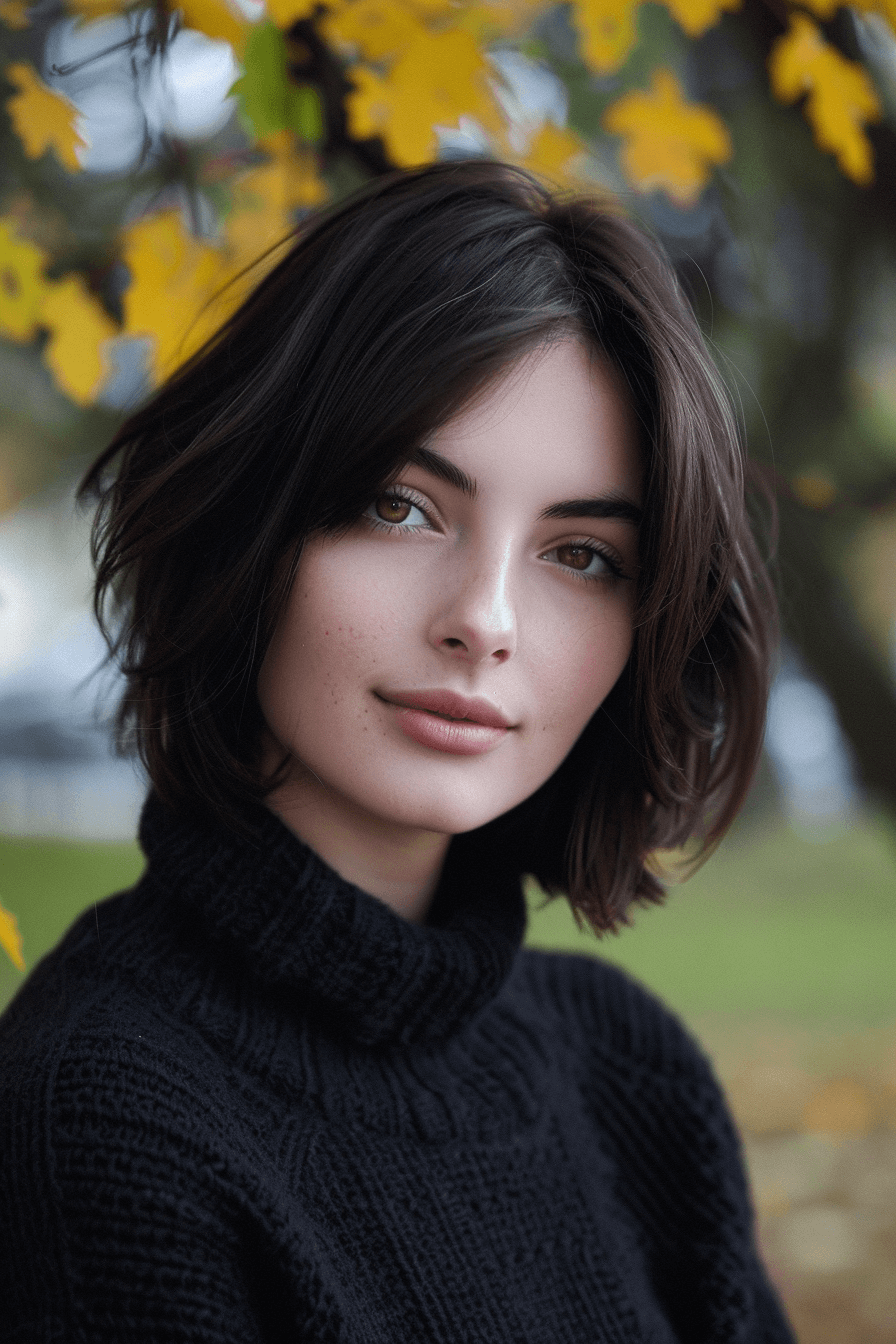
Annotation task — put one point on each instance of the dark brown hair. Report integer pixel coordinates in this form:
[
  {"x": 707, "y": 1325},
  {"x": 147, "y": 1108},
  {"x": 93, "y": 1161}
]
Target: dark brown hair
[{"x": 387, "y": 313}]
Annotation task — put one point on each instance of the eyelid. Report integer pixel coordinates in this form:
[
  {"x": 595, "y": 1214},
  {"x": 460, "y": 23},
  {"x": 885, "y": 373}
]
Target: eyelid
[
  {"x": 608, "y": 554},
  {"x": 408, "y": 496}
]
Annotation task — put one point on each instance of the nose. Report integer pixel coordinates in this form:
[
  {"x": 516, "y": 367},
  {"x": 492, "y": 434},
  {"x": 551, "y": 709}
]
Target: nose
[{"x": 476, "y": 620}]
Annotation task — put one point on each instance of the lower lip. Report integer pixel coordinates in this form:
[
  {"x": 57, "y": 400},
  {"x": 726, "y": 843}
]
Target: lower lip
[{"x": 456, "y": 736}]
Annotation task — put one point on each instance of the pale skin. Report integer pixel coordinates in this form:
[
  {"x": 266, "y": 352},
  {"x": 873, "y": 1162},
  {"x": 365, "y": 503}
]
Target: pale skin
[{"x": 488, "y": 596}]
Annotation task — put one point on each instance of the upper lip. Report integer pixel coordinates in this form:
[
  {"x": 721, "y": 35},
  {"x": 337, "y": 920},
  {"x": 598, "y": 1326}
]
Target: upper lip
[{"x": 451, "y": 705}]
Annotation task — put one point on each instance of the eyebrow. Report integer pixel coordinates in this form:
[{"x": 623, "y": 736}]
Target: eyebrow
[{"x": 599, "y": 506}]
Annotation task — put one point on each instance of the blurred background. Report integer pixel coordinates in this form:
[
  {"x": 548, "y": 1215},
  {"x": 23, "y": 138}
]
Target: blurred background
[{"x": 151, "y": 153}]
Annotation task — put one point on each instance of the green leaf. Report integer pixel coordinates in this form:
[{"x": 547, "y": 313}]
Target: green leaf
[
  {"x": 268, "y": 100},
  {"x": 304, "y": 112},
  {"x": 263, "y": 90}
]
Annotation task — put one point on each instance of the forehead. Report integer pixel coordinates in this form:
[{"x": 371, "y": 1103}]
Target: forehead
[{"x": 559, "y": 418}]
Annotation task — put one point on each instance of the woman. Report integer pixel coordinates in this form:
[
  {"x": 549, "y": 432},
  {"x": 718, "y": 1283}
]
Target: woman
[{"x": 430, "y": 572}]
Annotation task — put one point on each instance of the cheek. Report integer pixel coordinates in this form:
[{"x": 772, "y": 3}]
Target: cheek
[
  {"x": 338, "y": 625},
  {"x": 579, "y": 667}
]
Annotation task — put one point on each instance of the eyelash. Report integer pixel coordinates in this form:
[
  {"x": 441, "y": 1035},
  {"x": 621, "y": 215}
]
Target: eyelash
[{"x": 608, "y": 558}]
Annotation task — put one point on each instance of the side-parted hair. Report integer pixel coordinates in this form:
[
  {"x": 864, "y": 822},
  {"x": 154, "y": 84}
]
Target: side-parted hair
[{"x": 389, "y": 311}]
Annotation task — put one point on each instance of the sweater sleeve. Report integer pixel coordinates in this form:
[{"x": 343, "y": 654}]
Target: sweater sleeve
[{"x": 116, "y": 1224}]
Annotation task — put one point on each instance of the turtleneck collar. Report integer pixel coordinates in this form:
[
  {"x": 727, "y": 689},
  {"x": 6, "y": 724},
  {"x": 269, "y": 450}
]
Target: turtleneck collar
[{"x": 291, "y": 923}]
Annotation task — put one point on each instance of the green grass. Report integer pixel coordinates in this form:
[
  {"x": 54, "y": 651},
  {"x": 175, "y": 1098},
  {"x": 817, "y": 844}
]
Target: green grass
[
  {"x": 46, "y": 884},
  {"x": 773, "y": 925}
]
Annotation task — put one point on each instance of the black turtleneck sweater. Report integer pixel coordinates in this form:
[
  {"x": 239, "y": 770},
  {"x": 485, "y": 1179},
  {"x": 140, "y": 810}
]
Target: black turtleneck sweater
[{"x": 247, "y": 1102}]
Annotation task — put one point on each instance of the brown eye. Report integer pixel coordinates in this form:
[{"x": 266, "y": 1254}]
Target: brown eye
[
  {"x": 575, "y": 557},
  {"x": 392, "y": 508}
]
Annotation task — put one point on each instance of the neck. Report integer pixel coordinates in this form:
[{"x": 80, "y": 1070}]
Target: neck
[{"x": 400, "y": 865}]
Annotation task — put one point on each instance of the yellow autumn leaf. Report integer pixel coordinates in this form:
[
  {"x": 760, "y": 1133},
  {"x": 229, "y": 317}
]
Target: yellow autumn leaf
[
  {"x": 297, "y": 182},
  {"x": 95, "y": 9},
  {"x": 552, "y": 153},
  {"x": 885, "y": 7},
  {"x": 287, "y": 12},
  {"x": 14, "y": 14},
  {"x": 174, "y": 277},
  {"x": 826, "y": 9},
  {"x": 498, "y": 18},
  {"x": 377, "y": 29},
  {"x": 41, "y": 118},
  {"x": 217, "y": 20},
  {"x": 668, "y": 143},
  {"x": 267, "y": 197},
  {"x": 840, "y": 98},
  {"x": 608, "y": 31},
  {"x": 841, "y": 1106},
  {"x": 431, "y": 9},
  {"x": 438, "y": 78},
  {"x": 695, "y": 16},
  {"x": 11, "y": 939},
  {"x": 79, "y": 328},
  {"x": 22, "y": 283}
]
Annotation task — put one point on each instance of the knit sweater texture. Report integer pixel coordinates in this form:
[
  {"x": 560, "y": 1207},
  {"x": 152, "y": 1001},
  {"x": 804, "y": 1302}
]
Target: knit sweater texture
[{"x": 245, "y": 1101}]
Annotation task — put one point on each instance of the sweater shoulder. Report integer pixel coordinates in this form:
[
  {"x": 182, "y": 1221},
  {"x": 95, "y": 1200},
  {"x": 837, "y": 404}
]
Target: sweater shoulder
[
  {"x": 601, "y": 1008},
  {"x": 660, "y": 1107},
  {"x": 87, "y": 1033}
]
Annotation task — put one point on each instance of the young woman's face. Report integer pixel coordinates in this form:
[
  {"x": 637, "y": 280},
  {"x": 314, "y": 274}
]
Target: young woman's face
[{"x": 499, "y": 569}]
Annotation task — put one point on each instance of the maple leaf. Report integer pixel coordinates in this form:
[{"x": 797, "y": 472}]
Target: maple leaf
[
  {"x": 41, "y": 118},
  {"x": 266, "y": 198},
  {"x": 840, "y": 98},
  {"x": 174, "y": 277},
  {"x": 695, "y": 16},
  {"x": 494, "y": 18},
  {"x": 552, "y": 153},
  {"x": 438, "y": 78},
  {"x": 668, "y": 142},
  {"x": 287, "y": 12},
  {"x": 22, "y": 283},
  {"x": 608, "y": 31},
  {"x": 826, "y": 9},
  {"x": 218, "y": 20},
  {"x": 377, "y": 30},
  {"x": 80, "y": 328},
  {"x": 11, "y": 939},
  {"x": 14, "y": 14}
]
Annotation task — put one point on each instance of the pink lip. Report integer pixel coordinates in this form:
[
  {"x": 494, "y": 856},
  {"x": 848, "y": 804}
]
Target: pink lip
[
  {"x": 422, "y": 717},
  {"x": 451, "y": 706}
]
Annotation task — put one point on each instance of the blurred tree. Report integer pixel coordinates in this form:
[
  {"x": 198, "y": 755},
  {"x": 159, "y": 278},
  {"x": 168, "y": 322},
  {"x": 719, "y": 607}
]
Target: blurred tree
[{"x": 756, "y": 137}]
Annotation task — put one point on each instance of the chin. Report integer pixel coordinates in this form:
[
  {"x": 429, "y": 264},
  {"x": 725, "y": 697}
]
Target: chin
[{"x": 449, "y": 815}]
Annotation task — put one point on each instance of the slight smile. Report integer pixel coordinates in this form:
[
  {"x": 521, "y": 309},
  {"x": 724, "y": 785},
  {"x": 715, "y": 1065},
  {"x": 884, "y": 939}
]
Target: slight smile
[{"x": 445, "y": 721}]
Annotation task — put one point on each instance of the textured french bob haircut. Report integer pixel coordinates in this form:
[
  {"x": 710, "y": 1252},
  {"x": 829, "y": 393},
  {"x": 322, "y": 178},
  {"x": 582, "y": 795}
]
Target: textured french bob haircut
[{"x": 390, "y": 310}]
